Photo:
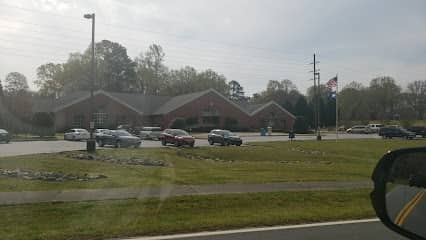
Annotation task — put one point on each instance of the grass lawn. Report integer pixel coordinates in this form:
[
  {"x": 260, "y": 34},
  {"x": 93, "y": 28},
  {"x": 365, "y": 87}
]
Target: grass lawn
[
  {"x": 256, "y": 163},
  {"x": 120, "y": 218}
]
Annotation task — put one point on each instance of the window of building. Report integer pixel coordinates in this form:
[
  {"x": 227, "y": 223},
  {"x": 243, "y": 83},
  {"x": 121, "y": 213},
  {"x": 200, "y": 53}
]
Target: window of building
[
  {"x": 100, "y": 118},
  {"x": 78, "y": 121}
]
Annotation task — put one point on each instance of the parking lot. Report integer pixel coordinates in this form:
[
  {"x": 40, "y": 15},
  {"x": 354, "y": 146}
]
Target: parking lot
[{"x": 32, "y": 147}]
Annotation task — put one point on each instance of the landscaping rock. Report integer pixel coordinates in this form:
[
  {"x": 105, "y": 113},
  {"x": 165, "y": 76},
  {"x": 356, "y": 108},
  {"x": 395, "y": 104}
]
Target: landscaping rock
[
  {"x": 118, "y": 160},
  {"x": 47, "y": 176}
]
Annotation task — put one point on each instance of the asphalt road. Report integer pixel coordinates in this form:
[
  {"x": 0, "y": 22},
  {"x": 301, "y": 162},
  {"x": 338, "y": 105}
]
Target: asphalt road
[
  {"x": 32, "y": 147},
  {"x": 348, "y": 231},
  {"x": 406, "y": 207}
]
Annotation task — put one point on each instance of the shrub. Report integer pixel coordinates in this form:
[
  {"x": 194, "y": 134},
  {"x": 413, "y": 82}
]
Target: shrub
[{"x": 300, "y": 125}]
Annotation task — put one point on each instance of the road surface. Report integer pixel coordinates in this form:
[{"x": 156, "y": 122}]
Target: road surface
[
  {"x": 33, "y": 147},
  {"x": 348, "y": 230},
  {"x": 406, "y": 207}
]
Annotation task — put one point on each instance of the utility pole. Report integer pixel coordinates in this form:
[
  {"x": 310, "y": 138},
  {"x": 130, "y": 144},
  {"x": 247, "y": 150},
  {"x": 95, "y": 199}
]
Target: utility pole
[
  {"x": 317, "y": 90},
  {"x": 91, "y": 144}
]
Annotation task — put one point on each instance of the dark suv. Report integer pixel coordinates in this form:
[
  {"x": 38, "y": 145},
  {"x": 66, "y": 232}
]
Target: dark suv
[
  {"x": 176, "y": 137},
  {"x": 390, "y": 132},
  {"x": 224, "y": 137},
  {"x": 418, "y": 130},
  {"x": 4, "y": 136}
]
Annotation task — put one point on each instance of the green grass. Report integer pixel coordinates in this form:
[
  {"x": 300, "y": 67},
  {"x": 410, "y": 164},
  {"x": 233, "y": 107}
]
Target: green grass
[
  {"x": 257, "y": 163},
  {"x": 120, "y": 218}
]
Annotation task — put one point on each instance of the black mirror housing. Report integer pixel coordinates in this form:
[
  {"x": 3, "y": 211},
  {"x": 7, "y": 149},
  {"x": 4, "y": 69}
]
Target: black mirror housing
[{"x": 399, "y": 186}]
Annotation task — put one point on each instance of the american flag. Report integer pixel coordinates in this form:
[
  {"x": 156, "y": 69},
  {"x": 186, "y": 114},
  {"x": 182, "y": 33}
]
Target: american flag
[{"x": 332, "y": 83}]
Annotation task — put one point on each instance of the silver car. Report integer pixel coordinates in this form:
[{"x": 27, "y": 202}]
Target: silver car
[
  {"x": 76, "y": 134},
  {"x": 362, "y": 129},
  {"x": 150, "y": 133}
]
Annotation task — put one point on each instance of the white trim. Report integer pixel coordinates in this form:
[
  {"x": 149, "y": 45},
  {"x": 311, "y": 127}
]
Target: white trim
[
  {"x": 249, "y": 230},
  {"x": 269, "y": 104},
  {"x": 95, "y": 94}
]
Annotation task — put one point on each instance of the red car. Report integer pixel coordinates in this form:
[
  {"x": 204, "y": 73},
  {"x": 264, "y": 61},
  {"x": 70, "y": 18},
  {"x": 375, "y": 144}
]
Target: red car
[{"x": 176, "y": 137}]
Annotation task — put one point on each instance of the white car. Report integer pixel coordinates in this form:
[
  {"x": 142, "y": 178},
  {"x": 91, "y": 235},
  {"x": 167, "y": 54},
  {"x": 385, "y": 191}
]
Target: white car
[
  {"x": 150, "y": 133},
  {"x": 76, "y": 134},
  {"x": 375, "y": 127},
  {"x": 100, "y": 131}
]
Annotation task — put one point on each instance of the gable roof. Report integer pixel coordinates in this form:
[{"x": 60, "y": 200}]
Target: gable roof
[
  {"x": 270, "y": 104},
  {"x": 178, "y": 101},
  {"x": 146, "y": 104}
]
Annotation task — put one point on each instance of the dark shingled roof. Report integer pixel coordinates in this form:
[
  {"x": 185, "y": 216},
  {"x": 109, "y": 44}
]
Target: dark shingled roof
[
  {"x": 249, "y": 107},
  {"x": 146, "y": 104},
  {"x": 178, "y": 101}
]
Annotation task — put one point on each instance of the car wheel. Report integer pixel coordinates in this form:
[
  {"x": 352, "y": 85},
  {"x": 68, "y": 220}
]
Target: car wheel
[
  {"x": 222, "y": 143},
  {"x": 191, "y": 145},
  {"x": 177, "y": 144},
  {"x": 163, "y": 142},
  {"x": 118, "y": 144},
  {"x": 101, "y": 143},
  {"x": 211, "y": 141},
  {"x": 227, "y": 143}
]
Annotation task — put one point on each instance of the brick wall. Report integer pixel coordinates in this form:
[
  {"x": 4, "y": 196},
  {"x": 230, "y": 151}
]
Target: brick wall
[
  {"x": 273, "y": 115},
  {"x": 116, "y": 113},
  {"x": 201, "y": 107}
]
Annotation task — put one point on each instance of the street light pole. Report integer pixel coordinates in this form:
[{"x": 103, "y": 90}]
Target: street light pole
[{"x": 91, "y": 145}]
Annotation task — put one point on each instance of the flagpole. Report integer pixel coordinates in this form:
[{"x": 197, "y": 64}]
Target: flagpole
[{"x": 337, "y": 108}]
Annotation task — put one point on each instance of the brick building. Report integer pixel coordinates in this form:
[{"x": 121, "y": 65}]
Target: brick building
[{"x": 200, "y": 110}]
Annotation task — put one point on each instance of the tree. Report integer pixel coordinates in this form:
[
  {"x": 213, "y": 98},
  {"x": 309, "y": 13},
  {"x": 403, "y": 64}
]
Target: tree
[
  {"x": 353, "y": 103},
  {"x": 15, "y": 83},
  {"x": 384, "y": 96},
  {"x": 236, "y": 91},
  {"x": 151, "y": 72},
  {"x": 416, "y": 97},
  {"x": 49, "y": 79},
  {"x": 211, "y": 79},
  {"x": 283, "y": 92},
  {"x": 115, "y": 69},
  {"x": 1, "y": 89}
]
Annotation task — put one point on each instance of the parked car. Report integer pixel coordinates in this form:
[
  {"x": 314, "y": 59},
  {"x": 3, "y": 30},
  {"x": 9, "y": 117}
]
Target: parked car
[
  {"x": 100, "y": 131},
  {"x": 418, "y": 130},
  {"x": 76, "y": 134},
  {"x": 374, "y": 127},
  {"x": 224, "y": 137},
  {"x": 150, "y": 133},
  {"x": 390, "y": 132},
  {"x": 118, "y": 139},
  {"x": 176, "y": 137},
  {"x": 4, "y": 136},
  {"x": 359, "y": 129}
]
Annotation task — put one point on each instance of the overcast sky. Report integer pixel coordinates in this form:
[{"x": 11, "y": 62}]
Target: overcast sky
[{"x": 248, "y": 41}]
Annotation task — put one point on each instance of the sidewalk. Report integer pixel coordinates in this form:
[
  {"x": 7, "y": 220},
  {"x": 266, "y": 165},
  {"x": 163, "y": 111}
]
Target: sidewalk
[{"x": 169, "y": 191}]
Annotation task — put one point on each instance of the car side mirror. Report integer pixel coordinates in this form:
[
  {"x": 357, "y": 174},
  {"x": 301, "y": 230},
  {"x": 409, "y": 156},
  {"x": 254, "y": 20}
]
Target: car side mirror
[{"x": 399, "y": 191}]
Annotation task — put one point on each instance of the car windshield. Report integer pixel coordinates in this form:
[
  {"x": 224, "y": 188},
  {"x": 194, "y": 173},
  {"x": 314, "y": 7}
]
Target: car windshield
[
  {"x": 144, "y": 119},
  {"x": 122, "y": 133},
  {"x": 228, "y": 133},
  {"x": 180, "y": 133}
]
